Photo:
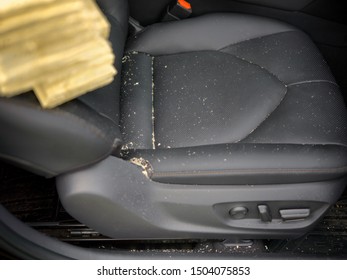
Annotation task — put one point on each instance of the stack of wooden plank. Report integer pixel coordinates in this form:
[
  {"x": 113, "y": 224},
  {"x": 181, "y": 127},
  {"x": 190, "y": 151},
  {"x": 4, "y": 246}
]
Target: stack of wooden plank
[{"x": 58, "y": 48}]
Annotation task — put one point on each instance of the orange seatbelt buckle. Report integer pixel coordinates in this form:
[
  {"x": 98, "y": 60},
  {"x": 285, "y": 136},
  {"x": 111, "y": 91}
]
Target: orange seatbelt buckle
[
  {"x": 178, "y": 9},
  {"x": 184, "y": 4}
]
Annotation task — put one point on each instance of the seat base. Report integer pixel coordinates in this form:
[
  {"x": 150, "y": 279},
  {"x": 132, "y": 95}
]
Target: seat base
[{"x": 131, "y": 206}]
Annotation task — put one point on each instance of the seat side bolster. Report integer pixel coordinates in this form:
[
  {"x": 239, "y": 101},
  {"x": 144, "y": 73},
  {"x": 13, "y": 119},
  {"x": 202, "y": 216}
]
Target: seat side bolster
[
  {"x": 119, "y": 10},
  {"x": 246, "y": 164},
  {"x": 52, "y": 142}
]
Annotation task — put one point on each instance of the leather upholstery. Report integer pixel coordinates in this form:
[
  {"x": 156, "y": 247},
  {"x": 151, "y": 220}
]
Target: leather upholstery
[
  {"x": 119, "y": 12},
  {"x": 208, "y": 32},
  {"x": 220, "y": 99},
  {"x": 51, "y": 142},
  {"x": 101, "y": 100},
  {"x": 245, "y": 163},
  {"x": 290, "y": 56},
  {"x": 207, "y": 97},
  {"x": 136, "y": 100},
  {"x": 236, "y": 99}
]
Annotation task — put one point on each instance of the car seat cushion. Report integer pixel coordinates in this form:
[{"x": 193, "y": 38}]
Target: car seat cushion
[
  {"x": 206, "y": 83},
  {"x": 212, "y": 84}
]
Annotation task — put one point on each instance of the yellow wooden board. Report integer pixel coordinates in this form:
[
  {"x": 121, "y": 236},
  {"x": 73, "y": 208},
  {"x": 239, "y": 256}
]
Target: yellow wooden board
[{"x": 58, "y": 48}]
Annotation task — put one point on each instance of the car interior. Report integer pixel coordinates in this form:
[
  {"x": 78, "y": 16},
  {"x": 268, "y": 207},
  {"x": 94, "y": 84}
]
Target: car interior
[{"x": 223, "y": 135}]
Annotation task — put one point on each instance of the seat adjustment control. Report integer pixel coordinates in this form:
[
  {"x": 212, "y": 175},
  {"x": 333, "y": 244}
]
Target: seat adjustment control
[
  {"x": 238, "y": 213},
  {"x": 265, "y": 214},
  {"x": 294, "y": 214}
]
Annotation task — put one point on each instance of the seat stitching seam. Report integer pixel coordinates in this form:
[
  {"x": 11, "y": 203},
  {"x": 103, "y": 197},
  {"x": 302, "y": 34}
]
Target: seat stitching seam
[
  {"x": 268, "y": 116},
  {"x": 258, "y": 65},
  {"x": 153, "y": 115},
  {"x": 312, "y": 81},
  {"x": 279, "y": 103},
  {"x": 95, "y": 130},
  {"x": 137, "y": 52},
  {"x": 91, "y": 127},
  {"x": 152, "y": 91},
  {"x": 255, "y": 38},
  {"x": 248, "y": 171}
]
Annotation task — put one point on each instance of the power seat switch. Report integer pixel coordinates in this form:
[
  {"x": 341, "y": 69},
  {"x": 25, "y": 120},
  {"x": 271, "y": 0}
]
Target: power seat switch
[
  {"x": 294, "y": 214},
  {"x": 178, "y": 9},
  {"x": 238, "y": 213},
  {"x": 264, "y": 213}
]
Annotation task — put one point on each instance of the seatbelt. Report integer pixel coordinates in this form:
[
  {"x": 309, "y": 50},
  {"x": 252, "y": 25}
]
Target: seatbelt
[{"x": 177, "y": 10}]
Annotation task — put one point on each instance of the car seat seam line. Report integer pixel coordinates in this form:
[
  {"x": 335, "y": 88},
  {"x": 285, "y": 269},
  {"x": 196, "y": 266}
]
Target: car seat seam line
[
  {"x": 153, "y": 112},
  {"x": 312, "y": 81},
  {"x": 223, "y": 49},
  {"x": 247, "y": 171},
  {"x": 280, "y": 102}
]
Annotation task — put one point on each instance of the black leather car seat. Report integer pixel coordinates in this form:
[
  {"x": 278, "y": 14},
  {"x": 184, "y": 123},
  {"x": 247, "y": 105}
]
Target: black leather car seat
[{"x": 224, "y": 124}]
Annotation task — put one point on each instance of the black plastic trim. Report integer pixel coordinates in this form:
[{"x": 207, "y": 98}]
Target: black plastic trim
[{"x": 128, "y": 205}]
